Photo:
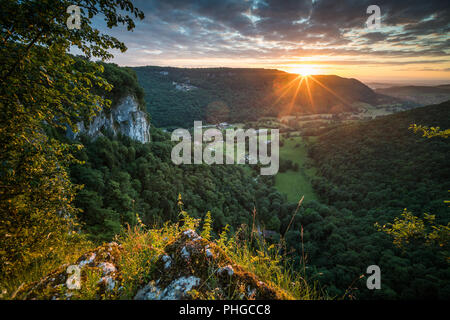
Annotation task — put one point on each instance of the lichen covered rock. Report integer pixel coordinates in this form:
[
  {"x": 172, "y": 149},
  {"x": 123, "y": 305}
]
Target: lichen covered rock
[
  {"x": 63, "y": 283},
  {"x": 200, "y": 269},
  {"x": 178, "y": 289}
]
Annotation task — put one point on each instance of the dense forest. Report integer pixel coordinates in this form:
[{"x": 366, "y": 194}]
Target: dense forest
[
  {"x": 123, "y": 81},
  {"x": 123, "y": 178},
  {"x": 366, "y": 173},
  {"x": 369, "y": 173}
]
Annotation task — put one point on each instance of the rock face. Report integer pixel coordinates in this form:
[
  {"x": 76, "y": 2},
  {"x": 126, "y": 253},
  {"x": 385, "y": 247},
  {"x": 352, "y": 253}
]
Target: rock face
[{"x": 125, "y": 118}]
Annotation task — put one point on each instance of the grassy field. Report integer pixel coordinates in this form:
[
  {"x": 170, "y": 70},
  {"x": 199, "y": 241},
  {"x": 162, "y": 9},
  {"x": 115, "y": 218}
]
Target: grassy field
[{"x": 292, "y": 183}]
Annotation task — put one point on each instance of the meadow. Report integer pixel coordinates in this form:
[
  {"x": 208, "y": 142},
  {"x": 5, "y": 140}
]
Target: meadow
[{"x": 295, "y": 184}]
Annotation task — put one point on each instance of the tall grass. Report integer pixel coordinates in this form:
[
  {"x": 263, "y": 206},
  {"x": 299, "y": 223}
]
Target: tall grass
[
  {"x": 271, "y": 265},
  {"x": 64, "y": 254},
  {"x": 268, "y": 262}
]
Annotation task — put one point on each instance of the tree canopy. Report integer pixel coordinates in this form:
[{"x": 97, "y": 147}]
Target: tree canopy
[{"x": 42, "y": 87}]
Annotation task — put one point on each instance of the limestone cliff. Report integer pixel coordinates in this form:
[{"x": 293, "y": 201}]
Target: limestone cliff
[{"x": 125, "y": 118}]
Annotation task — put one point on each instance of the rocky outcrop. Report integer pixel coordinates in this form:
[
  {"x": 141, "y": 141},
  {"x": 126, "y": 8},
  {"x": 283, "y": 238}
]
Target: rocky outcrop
[
  {"x": 125, "y": 118},
  {"x": 194, "y": 268},
  {"x": 62, "y": 282},
  {"x": 190, "y": 267}
]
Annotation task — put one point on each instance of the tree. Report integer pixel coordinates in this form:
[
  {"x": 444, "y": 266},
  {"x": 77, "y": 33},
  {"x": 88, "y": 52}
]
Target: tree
[
  {"x": 409, "y": 228},
  {"x": 430, "y": 132},
  {"x": 42, "y": 87}
]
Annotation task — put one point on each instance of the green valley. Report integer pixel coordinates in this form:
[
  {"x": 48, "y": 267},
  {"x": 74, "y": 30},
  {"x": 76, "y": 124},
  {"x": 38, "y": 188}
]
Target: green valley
[
  {"x": 111, "y": 188},
  {"x": 295, "y": 184}
]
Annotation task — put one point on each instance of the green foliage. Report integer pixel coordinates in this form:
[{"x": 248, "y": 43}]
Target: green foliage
[
  {"x": 122, "y": 177},
  {"x": 189, "y": 223},
  {"x": 89, "y": 289},
  {"x": 267, "y": 261},
  {"x": 365, "y": 172},
  {"x": 124, "y": 82},
  {"x": 223, "y": 239},
  {"x": 294, "y": 177},
  {"x": 430, "y": 132},
  {"x": 142, "y": 247},
  {"x": 42, "y": 88},
  {"x": 408, "y": 227},
  {"x": 206, "y": 232}
]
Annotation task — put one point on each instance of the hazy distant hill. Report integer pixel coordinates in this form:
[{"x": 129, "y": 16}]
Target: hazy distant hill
[
  {"x": 178, "y": 96},
  {"x": 422, "y": 95}
]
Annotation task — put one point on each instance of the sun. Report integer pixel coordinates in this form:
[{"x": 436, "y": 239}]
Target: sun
[{"x": 303, "y": 70}]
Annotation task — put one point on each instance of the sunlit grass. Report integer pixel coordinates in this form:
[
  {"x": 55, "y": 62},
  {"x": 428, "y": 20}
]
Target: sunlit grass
[{"x": 64, "y": 254}]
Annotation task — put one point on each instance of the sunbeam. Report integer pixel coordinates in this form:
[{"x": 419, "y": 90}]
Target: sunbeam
[{"x": 329, "y": 90}]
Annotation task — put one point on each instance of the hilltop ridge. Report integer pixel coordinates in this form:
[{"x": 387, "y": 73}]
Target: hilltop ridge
[
  {"x": 178, "y": 96},
  {"x": 421, "y": 95}
]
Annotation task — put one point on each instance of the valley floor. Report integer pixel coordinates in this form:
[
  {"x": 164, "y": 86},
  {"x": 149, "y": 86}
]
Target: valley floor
[{"x": 295, "y": 184}]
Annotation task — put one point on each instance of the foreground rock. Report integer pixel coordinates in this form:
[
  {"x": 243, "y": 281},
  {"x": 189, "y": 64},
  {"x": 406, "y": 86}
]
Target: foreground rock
[
  {"x": 189, "y": 268},
  {"x": 194, "y": 268},
  {"x": 58, "y": 285}
]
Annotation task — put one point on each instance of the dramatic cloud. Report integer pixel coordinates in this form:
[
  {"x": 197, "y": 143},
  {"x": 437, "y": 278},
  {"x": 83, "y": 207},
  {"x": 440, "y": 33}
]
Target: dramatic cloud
[{"x": 177, "y": 32}]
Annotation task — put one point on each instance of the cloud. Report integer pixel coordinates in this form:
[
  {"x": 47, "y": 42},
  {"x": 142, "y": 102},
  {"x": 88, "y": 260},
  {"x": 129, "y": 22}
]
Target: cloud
[{"x": 273, "y": 29}]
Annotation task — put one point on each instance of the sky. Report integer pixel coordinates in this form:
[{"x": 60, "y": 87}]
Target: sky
[{"x": 412, "y": 43}]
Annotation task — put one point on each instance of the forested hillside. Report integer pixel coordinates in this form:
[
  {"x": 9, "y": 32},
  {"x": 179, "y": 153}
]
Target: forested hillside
[
  {"x": 365, "y": 173},
  {"x": 177, "y": 96},
  {"x": 369, "y": 172},
  {"x": 123, "y": 178},
  {"x": 124, "y": 82}
]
